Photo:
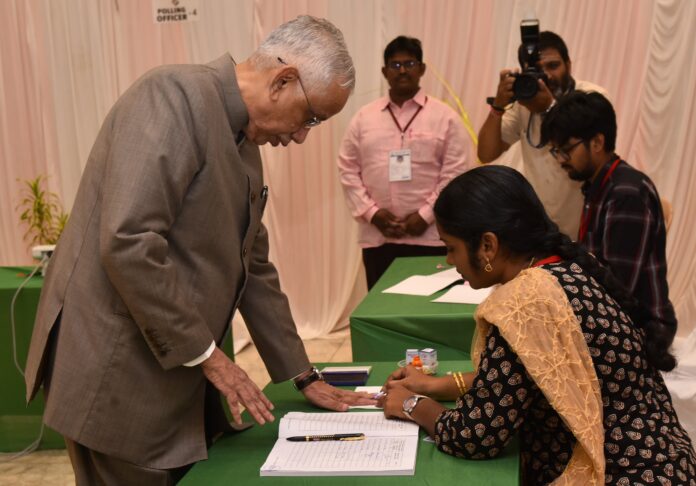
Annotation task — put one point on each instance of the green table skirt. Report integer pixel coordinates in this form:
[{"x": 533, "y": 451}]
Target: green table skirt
[
  {"x": 19, "y": 424},
  {"x": 383, "y": 326}
]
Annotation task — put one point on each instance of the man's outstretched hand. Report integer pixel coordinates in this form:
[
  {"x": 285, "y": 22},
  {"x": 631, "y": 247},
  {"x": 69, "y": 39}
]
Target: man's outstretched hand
[
  {"x": 237, "y": 388},
  {"x": 327, "y": 396}
]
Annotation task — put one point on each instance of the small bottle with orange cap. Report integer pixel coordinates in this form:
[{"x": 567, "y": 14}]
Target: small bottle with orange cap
[{"x": 417, "y": 363}]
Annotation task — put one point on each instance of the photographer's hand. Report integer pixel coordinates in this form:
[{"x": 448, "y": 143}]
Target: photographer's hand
[
  {"x": 504, "y": 95},
  {"x": 491, "y": 143},
  {"x": 542, "y": 101}
]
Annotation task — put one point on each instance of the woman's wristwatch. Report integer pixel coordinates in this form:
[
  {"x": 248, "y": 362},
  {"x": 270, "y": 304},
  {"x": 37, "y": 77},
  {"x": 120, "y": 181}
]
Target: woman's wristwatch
[
  {"x": 314, "y": 375},
  {"x": 410, "y": 404}
]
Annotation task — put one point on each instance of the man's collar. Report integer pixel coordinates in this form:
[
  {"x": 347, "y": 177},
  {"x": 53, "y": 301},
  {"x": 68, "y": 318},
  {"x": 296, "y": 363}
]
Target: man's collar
[
  {"x": 590, "y": 186},
  {"x": 419, "y": 98},
  {"x": 237, "y": 113}
]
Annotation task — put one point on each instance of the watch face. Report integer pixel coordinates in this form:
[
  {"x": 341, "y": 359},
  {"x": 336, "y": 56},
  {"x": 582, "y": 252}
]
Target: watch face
[{"x": 409, "y": 404}]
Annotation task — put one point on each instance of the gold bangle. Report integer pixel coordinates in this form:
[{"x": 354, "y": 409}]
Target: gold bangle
[
  {"x": 457, "y": 381},
  {"x": 462, "y": 387},
  {"x": 461, "y": 375},
  {"x": 462, "y": 382}
]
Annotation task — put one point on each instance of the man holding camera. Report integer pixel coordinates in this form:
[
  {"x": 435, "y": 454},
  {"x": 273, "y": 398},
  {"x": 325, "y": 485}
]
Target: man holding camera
[{"x": 516, "y": 117}]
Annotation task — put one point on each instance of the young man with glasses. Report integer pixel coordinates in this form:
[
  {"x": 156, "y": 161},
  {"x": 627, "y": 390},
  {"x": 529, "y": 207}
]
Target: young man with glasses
[
  {"x": 621, "y": 222},
  {"x": 510, "y": 121},
  {"x": 398, "y": 153}
]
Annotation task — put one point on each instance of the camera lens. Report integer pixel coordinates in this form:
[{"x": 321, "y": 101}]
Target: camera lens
[{"x": 525, "y": 86}]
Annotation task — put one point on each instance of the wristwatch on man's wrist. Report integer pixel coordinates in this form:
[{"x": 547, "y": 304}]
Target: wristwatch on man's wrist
[
  {"x": 303, "y": 382},
  {"x": 410, "y": 404}
]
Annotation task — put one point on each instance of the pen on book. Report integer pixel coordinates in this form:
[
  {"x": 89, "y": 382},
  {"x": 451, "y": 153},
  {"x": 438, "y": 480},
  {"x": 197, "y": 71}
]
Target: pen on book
[{"x": 311, "y": 438}]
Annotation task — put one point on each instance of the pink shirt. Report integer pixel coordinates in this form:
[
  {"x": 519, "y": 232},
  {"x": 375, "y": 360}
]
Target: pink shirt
[{"x": 439, "y": 148}]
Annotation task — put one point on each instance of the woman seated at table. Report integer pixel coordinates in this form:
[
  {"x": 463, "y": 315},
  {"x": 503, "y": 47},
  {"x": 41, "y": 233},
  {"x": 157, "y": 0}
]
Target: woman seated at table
[{"x": 559, "y": 359}]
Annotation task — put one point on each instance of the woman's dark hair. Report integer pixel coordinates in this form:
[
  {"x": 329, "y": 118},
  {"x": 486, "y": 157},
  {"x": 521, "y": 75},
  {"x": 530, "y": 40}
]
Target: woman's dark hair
[
  {"x": 499, "y": 200},
  {"x": 403, "y": 44}
]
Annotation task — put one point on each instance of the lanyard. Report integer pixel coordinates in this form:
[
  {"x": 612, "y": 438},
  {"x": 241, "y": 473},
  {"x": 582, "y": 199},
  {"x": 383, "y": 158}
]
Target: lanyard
[
  {"x": 551, "y": 259},
  {"x": 587, "y": 209},
  {"x": 403, "y": 130}
]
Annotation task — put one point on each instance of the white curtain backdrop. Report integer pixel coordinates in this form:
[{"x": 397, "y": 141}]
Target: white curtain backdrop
[{"x": 65, "y": 62}]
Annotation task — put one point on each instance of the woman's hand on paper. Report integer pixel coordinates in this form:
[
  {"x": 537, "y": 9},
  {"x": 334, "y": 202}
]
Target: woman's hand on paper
[
  {"x": 411, "y": 378},
  {"x": 393, "y": 400},
  {"x": 329, "y": 397},
  {"x": 237, "y": 388},
  {"x": 425, "y": 414}
]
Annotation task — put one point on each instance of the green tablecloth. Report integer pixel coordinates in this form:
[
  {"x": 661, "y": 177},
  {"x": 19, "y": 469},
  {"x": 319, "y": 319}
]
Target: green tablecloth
[
  {"x": 19, "y": 424},
  {"x": 383, "y": 326},
  {"x": 237, "y": 459}
]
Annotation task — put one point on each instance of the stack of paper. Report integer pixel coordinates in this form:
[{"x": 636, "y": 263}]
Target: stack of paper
[
  {"x": 464, "y": 294},
  {"x": 425, "y": 284},
  {"x": 389, "y": 448}
]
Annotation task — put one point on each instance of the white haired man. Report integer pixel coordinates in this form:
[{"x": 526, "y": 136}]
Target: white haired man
[{"x": 164, "y": 244}]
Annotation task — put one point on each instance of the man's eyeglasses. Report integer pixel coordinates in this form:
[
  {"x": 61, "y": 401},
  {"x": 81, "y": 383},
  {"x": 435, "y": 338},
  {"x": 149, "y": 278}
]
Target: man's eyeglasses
[
  {"x": 314, "y": 120},
  {"x": 564, "y": 153},
  {"x": 408, "y": 65}
]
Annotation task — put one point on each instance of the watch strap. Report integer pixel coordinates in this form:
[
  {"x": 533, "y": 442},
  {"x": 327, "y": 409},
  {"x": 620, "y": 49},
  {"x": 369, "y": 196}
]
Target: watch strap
[
  {"x": 314, "y": 375},
  {"x": 415, "y": 400}
]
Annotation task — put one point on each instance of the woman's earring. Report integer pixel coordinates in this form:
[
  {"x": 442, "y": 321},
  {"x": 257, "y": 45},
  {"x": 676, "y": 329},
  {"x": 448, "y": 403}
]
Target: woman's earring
[{"x": 488, "y": 266}]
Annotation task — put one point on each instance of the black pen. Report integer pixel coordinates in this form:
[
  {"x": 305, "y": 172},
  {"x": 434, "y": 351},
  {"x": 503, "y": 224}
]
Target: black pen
[{"x": 311, "y": 438}]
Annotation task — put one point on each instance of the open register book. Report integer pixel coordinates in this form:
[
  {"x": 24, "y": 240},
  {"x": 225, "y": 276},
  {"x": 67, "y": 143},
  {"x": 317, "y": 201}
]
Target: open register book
[{"x": 389, "y": 448}]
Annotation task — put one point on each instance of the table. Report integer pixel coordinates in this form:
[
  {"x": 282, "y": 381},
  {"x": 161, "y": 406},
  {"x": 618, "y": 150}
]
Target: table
[
  {"x": 19, "y": 424},
  {"x": 383, "y": 326},
  {"x": 237, "y": 459}
]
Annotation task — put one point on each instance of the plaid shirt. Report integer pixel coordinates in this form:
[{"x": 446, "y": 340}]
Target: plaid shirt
[{"x": 626, "y": 231}]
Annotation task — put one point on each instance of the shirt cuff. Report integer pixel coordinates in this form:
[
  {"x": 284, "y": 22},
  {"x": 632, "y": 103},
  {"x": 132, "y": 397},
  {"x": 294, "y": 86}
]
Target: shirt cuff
[
  {"x": 202, "y": 357},
  {"x": 370, "y": 213},
  {"x": 301, "y": 373},
  {"x": 426, "y": 212}
]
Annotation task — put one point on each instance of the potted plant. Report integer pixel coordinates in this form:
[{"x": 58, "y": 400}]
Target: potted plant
[{"x": 43, "y": 215}]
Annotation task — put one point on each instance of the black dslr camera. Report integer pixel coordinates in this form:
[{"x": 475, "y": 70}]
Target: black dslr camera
[{"x": 526, "y": 85}]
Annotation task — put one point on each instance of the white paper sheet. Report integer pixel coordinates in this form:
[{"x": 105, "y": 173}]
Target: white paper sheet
[
  {"x": 372, "y": 424},
  {"x": 367, "y": 389},
  {"x": 464, "y": 294},
  {"x": 389, "y": 448},
  {"x": 425, "y": 284}
]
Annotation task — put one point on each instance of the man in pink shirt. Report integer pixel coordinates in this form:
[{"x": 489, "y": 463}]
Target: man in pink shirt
[{"x": 398, "y": 153}]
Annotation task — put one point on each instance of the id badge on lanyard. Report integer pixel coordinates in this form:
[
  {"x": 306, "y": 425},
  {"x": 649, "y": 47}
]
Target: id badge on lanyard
[
  {"x": 400, "y": 160},
  {"x": 400, "y": 165}
]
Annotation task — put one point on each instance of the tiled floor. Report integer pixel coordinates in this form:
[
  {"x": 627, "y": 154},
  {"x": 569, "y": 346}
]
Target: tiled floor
[{"x": 53, "y": 467}]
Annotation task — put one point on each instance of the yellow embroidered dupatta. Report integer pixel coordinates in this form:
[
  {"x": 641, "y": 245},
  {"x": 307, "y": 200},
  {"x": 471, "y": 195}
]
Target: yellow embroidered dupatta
[{"x": 534, "y": 316}]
